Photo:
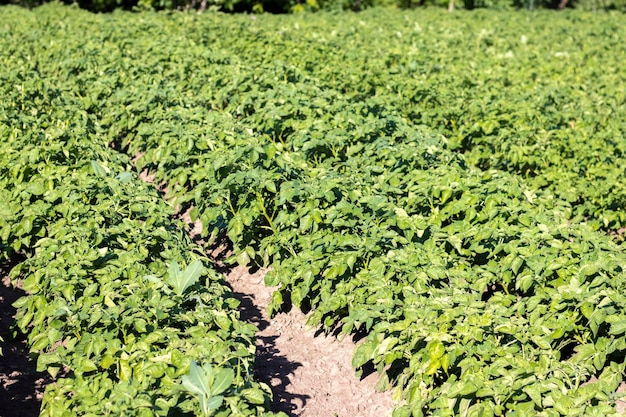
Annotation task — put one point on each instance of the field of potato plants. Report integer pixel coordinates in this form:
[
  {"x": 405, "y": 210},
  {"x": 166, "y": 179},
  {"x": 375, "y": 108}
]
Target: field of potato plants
[{"x": 451, "y": 188}]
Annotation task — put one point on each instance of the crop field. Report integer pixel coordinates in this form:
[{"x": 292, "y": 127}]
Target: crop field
[{"x": 450, "y": 188}]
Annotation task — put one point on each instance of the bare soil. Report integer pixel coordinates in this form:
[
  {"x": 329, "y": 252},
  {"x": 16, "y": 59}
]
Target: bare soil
[{"x": 310, "y": 373}]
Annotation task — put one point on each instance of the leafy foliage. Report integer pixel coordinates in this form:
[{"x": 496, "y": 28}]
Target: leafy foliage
[
  {"x": 104, "y": 313},
  {"x": 207, "y": 385},
  {"x": 181, "y": 280},
  {"x": 451, "y": 189},
  {"x": 300, "y": 6}
]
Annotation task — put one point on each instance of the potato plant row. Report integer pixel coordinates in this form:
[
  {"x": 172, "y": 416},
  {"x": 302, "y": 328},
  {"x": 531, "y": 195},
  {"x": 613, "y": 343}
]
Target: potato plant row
[
  {"x": 119, "y": 308},
  {"x": 435, "y": 184}
]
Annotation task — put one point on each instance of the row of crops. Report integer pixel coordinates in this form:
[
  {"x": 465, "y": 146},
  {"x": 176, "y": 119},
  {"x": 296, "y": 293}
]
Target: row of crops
[
  {"x": 449, "y": 187},
  {"x": 120, "y": 309}
]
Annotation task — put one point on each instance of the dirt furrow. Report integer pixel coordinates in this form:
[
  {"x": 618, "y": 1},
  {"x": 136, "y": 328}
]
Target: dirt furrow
[{"x": 311, "y": 376}]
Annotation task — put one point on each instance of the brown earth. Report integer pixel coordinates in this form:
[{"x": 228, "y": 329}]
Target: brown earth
[{"x": 310, "y": 373}]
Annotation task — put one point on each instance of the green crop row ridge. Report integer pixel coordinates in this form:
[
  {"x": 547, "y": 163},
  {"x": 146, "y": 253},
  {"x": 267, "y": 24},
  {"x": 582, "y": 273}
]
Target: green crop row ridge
[{"x": 121, "y": 308}]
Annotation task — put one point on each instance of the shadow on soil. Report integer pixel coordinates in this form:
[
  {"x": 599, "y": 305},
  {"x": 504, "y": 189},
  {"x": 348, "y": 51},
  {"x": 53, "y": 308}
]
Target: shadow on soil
[
  {"x": 272, "y": 367},
  {"x": 21, "y": 386}
]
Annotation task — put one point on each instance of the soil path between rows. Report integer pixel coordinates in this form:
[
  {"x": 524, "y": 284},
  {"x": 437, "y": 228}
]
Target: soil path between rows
[{"x": 310, "y": 373}]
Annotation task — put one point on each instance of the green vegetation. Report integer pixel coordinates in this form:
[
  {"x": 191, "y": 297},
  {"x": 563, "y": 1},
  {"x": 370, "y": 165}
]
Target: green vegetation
[
  {"x": 299, "y": 6},
  {"x": 109, "y": 311},
  {"x": 449, "y": 186}
]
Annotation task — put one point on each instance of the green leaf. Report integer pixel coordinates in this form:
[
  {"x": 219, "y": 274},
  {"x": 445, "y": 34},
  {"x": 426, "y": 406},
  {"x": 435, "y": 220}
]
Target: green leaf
[
  {"x": 363, "y": 353},
  {"x": 271, "y": 279},
  {"x": 534, "y": 392},
  {"x": 271, "y": 186},
  {"x": 588, "y": 270},
  {"x": 213, "y": 404},
  {"x": 432, "y": 366},
  {"x": 98, "y": 169},
  {"x": 197, "y": 381},
  {"x": 587, "y": 310},
  {"x": 124, "y": 177},
  {"x": 254, "y": 395},
  {"x": 243, "y": 258},
  {"x": 174, "y": 271},
  {"x": 222, "y": 381},
  {"x": 618, "y": 328},
  {"x": 35, "y": 188},
  {"x": 185, "y": 279},
  {"x": 562, "y": 403},
  {"x": 435, "y": 349}
]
